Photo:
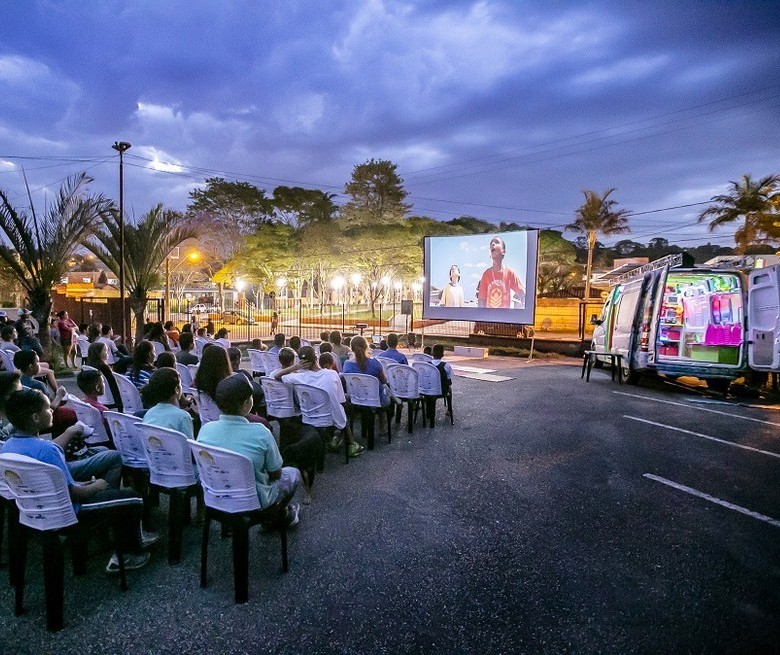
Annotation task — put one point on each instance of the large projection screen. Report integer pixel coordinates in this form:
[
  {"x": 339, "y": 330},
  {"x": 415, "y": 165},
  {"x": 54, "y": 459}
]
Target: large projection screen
[{"x": 481, "y": 277}]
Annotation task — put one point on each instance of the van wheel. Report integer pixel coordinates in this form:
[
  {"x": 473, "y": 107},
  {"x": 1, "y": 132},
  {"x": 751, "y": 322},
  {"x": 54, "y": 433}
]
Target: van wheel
[
  {"x": 597, "y": 363},
  {"x": 629, "y": 376},
  {"x": 718, "y": 385}
]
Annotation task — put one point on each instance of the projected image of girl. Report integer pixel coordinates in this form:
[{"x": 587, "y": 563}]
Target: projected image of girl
[
  {"x": 452, "y": 293},
  {"x": 500, "y": 287}
]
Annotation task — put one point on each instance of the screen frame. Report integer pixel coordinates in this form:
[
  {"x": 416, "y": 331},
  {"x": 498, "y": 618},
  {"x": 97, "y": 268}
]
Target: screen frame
[{"x": 524, "y": 316}]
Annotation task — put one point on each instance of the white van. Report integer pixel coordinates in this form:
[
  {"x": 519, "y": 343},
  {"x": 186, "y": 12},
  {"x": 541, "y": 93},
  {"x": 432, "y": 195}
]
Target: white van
[{"x": 710, "y": 323}]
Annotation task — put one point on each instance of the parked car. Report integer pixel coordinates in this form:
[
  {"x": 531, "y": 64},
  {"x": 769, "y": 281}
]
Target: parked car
[
  {"x": 232, "y": 317},
  {"x": 202, "y": 308}
]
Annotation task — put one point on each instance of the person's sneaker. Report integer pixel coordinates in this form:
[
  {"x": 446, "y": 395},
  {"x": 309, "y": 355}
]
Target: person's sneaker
[
  {"x": 335, "y": 444},
  {"x": 355, "y": 450},
  {"x": 149, "y": 538},
  {"x": 132, "y": 562},
  {"x": 293, "y": 510}
]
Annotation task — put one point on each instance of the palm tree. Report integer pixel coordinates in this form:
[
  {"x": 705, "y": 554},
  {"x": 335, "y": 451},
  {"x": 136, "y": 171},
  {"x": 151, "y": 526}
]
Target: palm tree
[
  {"x": 147, "y": 244},
  {"x": 597, "y": 215},
  {"x": 40, "y": 247},
  {"x": 754, "y": 201}
]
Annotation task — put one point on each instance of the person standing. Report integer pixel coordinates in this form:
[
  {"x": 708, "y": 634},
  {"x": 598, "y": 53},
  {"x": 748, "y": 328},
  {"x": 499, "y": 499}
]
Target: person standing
[
  {"x": 452, "y": 293},
  {"x": 67, "y": 328},
  {"x": 499, "y": 287}
]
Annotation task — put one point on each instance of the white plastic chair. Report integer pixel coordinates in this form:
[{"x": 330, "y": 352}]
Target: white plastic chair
[
  {"x": 129, "y": 444},
  {"x": 186, "y": 378},
  {"x": 422, "y": 357},
  {"x": 159, "y": 349},
  {"x": 127, "y": 439},
  {"x": 270, "y": 361},
  {"x": 131, "y": 397},
  {"x": 430, "y": 389},
  {"x": 364, "y": 392},
  {"x": 7, "y": 358},
  {"x": 279, "y": 399},
  {"x": 316, "y": 411},
  {"x": 256, "y": 362},
  {"x": 106, "y": 398},
  {"x": 92, "y": 417},
  {"x": 207, "y": 408},
  {"x": 171, "y": 472},
  {"x": 41, "y": 494},
  {"x": 404, "y": 383},
  {"x": 230, "y": 497}
]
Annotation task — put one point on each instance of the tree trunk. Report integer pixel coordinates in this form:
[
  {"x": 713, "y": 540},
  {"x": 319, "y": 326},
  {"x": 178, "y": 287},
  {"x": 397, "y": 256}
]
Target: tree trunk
[
  {"x": 138, "y": 307},
  {"x": 40, "y": 306}
]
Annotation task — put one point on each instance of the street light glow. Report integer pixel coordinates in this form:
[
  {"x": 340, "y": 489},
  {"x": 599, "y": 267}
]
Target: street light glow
[
  {"x": 240, "y": 285},
  {"x": 356, "y": 278},
  {"x": 282, "y": 281},
  {"x": 337, "y": 282}
]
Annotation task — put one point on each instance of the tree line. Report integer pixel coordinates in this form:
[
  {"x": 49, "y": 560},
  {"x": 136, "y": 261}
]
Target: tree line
[{"x": 302, "y": 234}]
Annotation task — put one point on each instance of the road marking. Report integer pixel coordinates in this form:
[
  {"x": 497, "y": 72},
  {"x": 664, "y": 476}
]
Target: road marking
[
  {"x": 472, "y": 369},
  {"x": 703, "y": 436},
  {"x": 701, "y": 409},
  {"x": 486, "y": 377},
  {"x": 713, "y": 499}
]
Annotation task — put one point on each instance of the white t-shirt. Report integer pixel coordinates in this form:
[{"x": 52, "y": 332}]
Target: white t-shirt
[{"x": 330, "y": 382}]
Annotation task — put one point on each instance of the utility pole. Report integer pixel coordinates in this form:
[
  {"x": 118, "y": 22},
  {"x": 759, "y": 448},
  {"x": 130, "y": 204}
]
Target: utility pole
[{"x": 121, "y": 147}]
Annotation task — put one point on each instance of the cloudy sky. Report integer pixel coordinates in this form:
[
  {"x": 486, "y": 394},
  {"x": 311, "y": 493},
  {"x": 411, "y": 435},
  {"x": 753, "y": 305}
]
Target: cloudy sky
[{"x": 501, "y": 109}]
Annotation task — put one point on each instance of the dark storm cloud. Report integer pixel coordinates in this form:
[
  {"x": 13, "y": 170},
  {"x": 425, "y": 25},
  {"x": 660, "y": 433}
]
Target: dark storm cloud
[{"x": 490, "y": 108}]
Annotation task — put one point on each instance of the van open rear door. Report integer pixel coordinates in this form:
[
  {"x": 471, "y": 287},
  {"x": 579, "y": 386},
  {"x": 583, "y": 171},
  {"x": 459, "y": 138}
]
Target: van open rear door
[{"x": 764, "y": 319}]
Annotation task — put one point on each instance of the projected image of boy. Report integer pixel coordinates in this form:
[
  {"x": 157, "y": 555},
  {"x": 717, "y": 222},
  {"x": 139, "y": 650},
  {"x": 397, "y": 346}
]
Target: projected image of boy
[
  {"x": 500, "y": 287},
  {"x": 452, "y": 293}
]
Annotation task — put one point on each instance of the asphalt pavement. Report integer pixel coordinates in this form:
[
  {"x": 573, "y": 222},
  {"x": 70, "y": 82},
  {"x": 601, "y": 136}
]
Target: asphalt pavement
[{"x": 555, "y": 516}]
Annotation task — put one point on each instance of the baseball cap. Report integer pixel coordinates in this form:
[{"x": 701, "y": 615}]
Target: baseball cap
[{"x": 233, "y": 389}]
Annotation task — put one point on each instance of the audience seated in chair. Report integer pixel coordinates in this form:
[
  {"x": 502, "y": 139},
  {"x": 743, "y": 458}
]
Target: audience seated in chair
[
  {"x": 362, "y": 362},
  {"x": 30, "y": 413},
  {"x": 392, "y": 351},
  {"x": 214, "y": 367},
  {"x": 165, "y": 360},
  {"x": 308, "y": 371},
  {"x": 275, "y": 484},
  {"x": 257, "y": 391},
  {"x": 162, "y": 395},
  {"x": 143, "y": 364},
  {"x": 340, "y": 350},
  {"x": 187, "y": 353},
  {"x": 97, "y": 358},
  {"x": 279, "y": 340}
]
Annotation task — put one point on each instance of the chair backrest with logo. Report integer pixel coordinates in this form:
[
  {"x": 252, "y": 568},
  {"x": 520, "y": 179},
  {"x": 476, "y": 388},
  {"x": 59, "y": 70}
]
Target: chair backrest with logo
[
  {"x": 170, "y": 459},
  {"x": 429, "y": 378},
  {"x": 131, "y": 397},
  {"x": 127, "y": 439},
  {"x": 404, "y": 381},
  {"x": 92, "y": 417},
  {"x": 315, "y": 406},
  {"x": 279, "y": 398},
  {"x": 227, "y": 478},
  {"x": 362, "y": 389},
  {"x": 256, "y": 361},
  {"x": 40, "y": 491}
]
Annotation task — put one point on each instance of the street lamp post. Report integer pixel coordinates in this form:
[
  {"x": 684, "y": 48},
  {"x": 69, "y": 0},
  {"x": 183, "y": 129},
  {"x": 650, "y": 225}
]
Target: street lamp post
[{"x": 121, "y": 147}]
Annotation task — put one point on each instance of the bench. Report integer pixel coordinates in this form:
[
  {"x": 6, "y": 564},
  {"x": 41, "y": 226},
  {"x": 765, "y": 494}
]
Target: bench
[{"x": 615, "y": 362}]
